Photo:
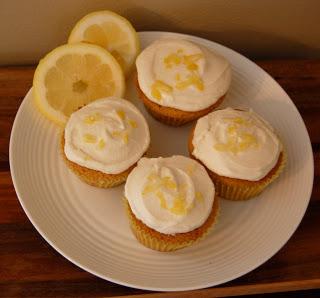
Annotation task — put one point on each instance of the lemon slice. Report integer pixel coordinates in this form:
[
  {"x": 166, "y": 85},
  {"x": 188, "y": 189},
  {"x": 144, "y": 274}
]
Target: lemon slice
[
  {"x": 72, "y": 76},
  {"x": 110, "y": 31}
]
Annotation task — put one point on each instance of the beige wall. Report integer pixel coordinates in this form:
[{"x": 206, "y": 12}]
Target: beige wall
[{"x": 258, "y": 29}]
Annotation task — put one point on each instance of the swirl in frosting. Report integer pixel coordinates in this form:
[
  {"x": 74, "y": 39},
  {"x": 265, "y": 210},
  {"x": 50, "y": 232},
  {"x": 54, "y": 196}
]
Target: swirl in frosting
[
  {"x": 180, "y": 74},
  {"x": 107, "y": 135},
  {"x": 170, "y": 195},
  {"x": 236, "y": 144}
]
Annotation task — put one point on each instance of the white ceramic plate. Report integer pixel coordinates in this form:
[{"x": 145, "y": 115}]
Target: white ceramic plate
[{"x": 88, "y": 225}]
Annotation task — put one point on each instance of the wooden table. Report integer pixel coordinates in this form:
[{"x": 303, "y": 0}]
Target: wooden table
[{"x": 31, "y": 267}]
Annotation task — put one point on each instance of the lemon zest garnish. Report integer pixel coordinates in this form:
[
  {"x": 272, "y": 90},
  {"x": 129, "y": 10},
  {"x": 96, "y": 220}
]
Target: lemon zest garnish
[
  {"x": 231, "y": 129},
  {"x": 172, "y": 59},
  {"x": 160, "y": 196},
  {"x": 158, "y": 87},
  {"x": 177, "y": 58},
  {"x": 154, "y": 185},
  {"x": 191, "y": 80},
  {"x": 152, "y": 177},
  {"x": 168, "y": 183},
  {"x": 101, "y": 144},
  {"x": 237, "y": 140},
  {"x": 150, "y": 188},
  {"x": 116, "y": 133},
  {"x": 179, "y": 205},
  {"x": 122, "y": 134},
  {"x": 190, "y": 61},
  {"x": 133, "y": 123},
  {"x": 199, "y": 196},
  {"x": 238, "y": 120},
  {"x": 89, "y": 138},
  {"x": 155, "y": 182},
  {"x": 121, "y": 114},
  {"x": 125, "y": 138}
]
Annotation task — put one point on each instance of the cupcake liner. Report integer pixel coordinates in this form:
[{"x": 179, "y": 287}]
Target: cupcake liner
[
  {"x": 237, "y": 190},
  {"x": 172, "y": 116},
  {"x": 165, "y": 243},
  {"x": 166, "y": 118},
  {"x": 93, "y": 177},
  {"x": 96, "y": 178}
]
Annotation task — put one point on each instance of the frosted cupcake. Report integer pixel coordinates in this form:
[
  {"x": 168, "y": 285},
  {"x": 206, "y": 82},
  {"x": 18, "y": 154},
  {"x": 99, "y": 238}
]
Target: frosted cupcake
[
  {"x": 171, "y": 202},
  {"x": 180, "y": 81},
  {"x": 103, "y": 141},
  {"x": 240, "y": 150}
]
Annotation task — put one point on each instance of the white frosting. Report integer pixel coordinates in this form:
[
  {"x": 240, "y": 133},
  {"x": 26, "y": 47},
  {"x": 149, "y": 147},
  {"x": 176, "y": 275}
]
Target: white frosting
[
  {"x": 212, "y": 70},
  {"x": 170, "y": 195},
  {"x": 107, "y": 135},
  {"x": 236, "y": 144}
]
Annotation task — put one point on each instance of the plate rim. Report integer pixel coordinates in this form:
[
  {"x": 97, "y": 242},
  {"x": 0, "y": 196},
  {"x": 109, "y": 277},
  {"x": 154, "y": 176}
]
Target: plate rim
[{"x": 162, "y": 289}]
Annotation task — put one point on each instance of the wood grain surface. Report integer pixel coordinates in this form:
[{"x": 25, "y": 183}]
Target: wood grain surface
[{"x": 29, "y": 267}]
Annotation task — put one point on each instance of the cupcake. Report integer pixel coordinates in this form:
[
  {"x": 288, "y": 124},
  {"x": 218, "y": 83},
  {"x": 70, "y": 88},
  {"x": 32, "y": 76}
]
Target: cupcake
[
  {"x": 103, "y": 141},
  {"x": 170, "y": 201},
  {"x": 180, "y": 81},
  {"x": 240, "y": 151}
]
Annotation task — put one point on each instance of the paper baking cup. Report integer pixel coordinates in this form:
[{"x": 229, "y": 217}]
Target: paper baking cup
[
  {"x": 164, "y": 242},
  {"x": 239, "y": 190}
]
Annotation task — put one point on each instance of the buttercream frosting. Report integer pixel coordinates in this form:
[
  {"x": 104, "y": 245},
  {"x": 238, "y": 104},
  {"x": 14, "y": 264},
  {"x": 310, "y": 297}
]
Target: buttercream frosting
[
  {"x": 170, "y": 195},
  {"x": 107, "y": 135},
  {"x": 181, "y": 74},
  {"x": 236, "y": 144}
]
